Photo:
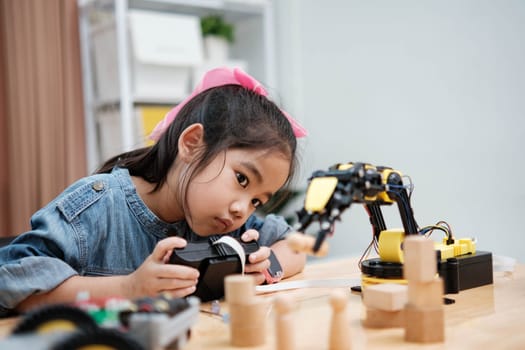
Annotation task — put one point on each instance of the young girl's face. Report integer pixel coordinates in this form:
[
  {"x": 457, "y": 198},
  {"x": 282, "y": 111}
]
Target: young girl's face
[{"x": 222, "y": 197}]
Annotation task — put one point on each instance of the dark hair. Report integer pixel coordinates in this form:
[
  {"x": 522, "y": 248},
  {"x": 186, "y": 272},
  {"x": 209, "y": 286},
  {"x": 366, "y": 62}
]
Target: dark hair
[{"x": 232, "y": 117}]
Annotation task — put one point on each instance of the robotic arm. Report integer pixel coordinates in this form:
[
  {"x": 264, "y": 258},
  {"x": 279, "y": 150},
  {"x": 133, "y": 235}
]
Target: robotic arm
[{"x": 331, "y": 192}]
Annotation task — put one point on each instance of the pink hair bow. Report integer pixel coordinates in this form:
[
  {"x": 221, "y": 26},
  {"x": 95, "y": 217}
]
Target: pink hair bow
[{"x": 218, "y": 77}]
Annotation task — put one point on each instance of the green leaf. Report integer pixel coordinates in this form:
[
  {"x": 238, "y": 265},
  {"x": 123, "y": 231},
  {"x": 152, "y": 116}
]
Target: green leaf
[{"x": 216, "y": 25}]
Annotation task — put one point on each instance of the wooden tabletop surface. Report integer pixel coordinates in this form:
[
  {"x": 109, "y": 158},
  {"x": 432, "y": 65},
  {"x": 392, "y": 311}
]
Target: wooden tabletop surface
[{"x": 491, "y": 315}]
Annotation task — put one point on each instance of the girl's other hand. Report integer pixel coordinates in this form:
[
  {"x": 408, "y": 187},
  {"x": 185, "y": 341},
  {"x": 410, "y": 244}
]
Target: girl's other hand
[
  {"x": 250, "y": 235},
  {"x": 257, "y": 262},
  {"x": 155, "y": 275}
]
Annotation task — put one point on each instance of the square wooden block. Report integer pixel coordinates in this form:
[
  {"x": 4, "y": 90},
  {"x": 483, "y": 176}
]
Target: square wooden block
[
  {"x": 424, "y": 325},
  {"x": 420, "y": 259},
  {"x": 376, "y": 318},
  {"x": 385, "y": 296},
  {"x": 426, "y": 294}
]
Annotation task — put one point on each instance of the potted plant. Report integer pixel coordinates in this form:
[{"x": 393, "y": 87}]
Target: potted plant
[{"x": 217, "y": 35}]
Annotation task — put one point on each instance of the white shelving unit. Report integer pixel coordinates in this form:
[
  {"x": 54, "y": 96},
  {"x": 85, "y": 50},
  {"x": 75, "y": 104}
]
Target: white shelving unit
[{"x": 254, "y": 44}]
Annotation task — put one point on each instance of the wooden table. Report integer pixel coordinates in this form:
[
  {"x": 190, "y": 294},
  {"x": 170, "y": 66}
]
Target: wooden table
[{"x": 487, "y": 317}]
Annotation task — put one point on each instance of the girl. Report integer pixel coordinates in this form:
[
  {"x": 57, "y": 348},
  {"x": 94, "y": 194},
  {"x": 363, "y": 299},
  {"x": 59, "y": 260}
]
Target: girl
[{"x": 219, "y": 155}]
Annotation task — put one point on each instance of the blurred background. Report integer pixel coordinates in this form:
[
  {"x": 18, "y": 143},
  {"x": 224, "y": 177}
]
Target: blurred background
[{"x": 434, "y": 89}]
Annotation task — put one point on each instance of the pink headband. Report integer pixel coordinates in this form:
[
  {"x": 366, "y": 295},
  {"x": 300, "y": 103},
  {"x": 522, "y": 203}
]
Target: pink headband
[{"x": 218, "y": 77}]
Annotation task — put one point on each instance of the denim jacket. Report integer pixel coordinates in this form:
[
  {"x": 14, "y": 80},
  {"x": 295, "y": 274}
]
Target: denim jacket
[{"x": 99, "y": 226}]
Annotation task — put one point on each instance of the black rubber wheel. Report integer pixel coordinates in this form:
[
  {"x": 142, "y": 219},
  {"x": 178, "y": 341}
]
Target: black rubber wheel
[
  {"x": 55, "y": 317},
  {"x": 105, "y": 338}
]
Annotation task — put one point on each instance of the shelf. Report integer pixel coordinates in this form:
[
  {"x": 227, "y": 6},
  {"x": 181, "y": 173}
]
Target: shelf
[
  {"x": 203, "y": 7},
  {"x": 136, "y": 101},
  {"x": 232, "y": 10},
  {"x": 254, "y": 44}
]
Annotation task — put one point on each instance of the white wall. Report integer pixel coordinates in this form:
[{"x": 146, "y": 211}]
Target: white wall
[{"x": 435, "y": 89}]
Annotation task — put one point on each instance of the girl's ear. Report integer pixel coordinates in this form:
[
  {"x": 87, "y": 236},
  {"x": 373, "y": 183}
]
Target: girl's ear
[{"x": 191, "y": 142}]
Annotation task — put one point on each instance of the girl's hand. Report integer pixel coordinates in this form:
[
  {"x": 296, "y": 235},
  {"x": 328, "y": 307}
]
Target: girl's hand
[
  {"x": 258, "y": 261},
  {"x": 155, "y": 275}
]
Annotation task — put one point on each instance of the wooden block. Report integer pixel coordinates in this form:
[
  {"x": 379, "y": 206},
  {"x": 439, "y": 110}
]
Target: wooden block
[
  {"x": 385, "y": 296},
  {"x": 239, "y": 289},
  {"x": 248, "y": 323},
  {"x": 426, "y": 294},
  {"x": 340, "y": 324},
  {"x": 420, "y": 259},
  {"x": 376, "y": 318},
  {"x": 247, "y": 312},
  {"x": 424, "y": 325},
  {"x": 284, "y": 323}
]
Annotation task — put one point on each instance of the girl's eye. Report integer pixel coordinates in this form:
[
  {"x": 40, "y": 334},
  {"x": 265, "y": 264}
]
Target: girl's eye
[
  {"x": 242, "y": 179},
  {"x": 256, "y": 203}
]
